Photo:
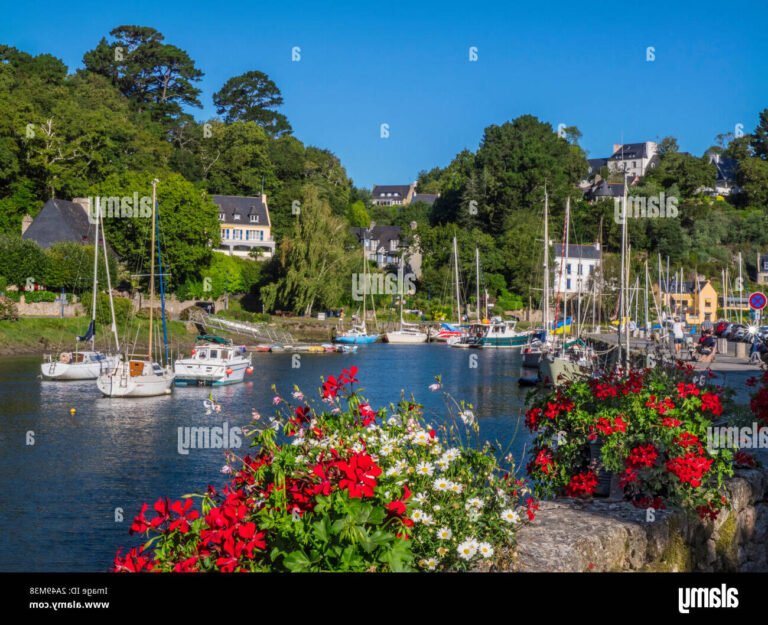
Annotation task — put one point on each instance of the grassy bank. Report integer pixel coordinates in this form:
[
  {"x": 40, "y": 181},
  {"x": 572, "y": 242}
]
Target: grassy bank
[{"x": 38, "y": 335}]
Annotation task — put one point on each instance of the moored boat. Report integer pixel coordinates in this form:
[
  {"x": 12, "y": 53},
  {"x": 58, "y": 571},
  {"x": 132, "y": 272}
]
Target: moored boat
[{"x": 214, "y": 361}]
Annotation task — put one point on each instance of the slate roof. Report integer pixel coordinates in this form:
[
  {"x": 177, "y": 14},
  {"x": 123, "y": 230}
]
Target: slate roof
[
  {"x": 59, "y": 221},
  {"x": 586, "y": 252},
  {"x": 237, "y": 205},
  {"x": 595, "y": 164},
  {"x": 427, "y": 198},
  {"x": 390, "y": 191},
  {"x": 383, "y": 234},
  {"x": 629, "y": 151},
  {"x": 607, "y": 189},
  {"x": 687, "y": 286}
]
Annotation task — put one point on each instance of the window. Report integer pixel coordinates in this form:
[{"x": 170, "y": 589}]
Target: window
[
  {"x": 254, "y": 219},
  {"x": 579, "y": 269},
  {"x": 634, "y": 164},
  {"x": 568, "y": 284},
  {"x": 568, "y": 269},
  {"x": 226, "y": 233},
  {"x": 221, "y": 216},
  {"x": 237, "y": 217},
  {"x": 707, "y": 303}
]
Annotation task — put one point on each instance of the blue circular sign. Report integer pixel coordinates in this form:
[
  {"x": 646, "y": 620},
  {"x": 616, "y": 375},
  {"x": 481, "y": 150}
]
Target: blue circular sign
[{"x": 757, "y": 301}]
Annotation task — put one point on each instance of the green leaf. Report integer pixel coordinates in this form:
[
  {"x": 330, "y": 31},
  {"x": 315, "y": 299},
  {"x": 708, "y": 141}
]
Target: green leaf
[{"x": 297, "y": 562}]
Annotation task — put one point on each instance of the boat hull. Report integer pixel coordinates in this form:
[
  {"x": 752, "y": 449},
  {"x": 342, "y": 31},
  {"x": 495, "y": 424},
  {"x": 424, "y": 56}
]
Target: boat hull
[
  {"x": 194, "y": 373},
  {"x": 506, "y": 342},
  {"x": 119, "y": 383},
  {"x": 356, "y": 340},
  {"x": 558, "y": 370},
  {"x": 59, "y": 371},
  {"x": 405, "y": 338}
]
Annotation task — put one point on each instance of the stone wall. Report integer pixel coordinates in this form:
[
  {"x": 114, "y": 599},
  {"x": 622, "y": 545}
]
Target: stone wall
[
  {"x": 570, "y": 535},
  {"x": 48, "y": 309}
]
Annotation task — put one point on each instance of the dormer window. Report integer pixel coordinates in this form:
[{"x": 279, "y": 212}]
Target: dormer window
[
  {"x": 237, "y": 217},
  {"x": 221, "y": 216},
  {"x": 254, "y": 219}
]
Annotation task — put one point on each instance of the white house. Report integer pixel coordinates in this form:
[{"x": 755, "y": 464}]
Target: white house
[
  {"x": 575, "y": 267},
  {"x": 636, "y": 159}
]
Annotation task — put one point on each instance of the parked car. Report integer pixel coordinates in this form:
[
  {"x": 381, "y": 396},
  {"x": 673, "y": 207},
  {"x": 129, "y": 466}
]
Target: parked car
[{"x": 720, "y": 327}]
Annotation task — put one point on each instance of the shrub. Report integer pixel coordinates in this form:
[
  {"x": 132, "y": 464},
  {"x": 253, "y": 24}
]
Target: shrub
[
  {"x": 8, "y": 310},
  {"x": 32, "y": 297},
  {"x": 651, "y": 429},
  {"x": 342, "y": 488},
  {"x": 123, "y": 308}
]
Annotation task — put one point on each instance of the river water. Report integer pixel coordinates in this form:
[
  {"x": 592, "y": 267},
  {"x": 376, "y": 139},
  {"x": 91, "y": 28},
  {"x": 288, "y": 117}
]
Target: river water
[{"x": 70, "y": 484}]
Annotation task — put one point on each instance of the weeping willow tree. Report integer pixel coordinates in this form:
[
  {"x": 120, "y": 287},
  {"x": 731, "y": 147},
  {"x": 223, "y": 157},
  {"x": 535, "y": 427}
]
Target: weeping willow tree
[{"x": 314, "y": 262}]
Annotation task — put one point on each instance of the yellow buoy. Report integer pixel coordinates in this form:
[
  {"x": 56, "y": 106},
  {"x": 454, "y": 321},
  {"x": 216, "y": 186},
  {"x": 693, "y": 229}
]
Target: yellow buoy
[{"x": 73, "y": 411}]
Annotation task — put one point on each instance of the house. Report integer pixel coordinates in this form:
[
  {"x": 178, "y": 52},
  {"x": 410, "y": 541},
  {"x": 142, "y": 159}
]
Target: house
[
  {"x": 384, "y": 245},
  {"x": 393, "y": 194},
  {"x": 244, "y": 225},
  {"x": 60, "y": 221},
  {"x": 725, "y": 178},
  {"x": 575, "y": 267},
  {"x": 693, "y": 301},
  {"x": 426, "y": 198},
  {"x": 762, "y": 268},
  {"x": 604, "y": 190},
  {"x": 635, "y": 159}
]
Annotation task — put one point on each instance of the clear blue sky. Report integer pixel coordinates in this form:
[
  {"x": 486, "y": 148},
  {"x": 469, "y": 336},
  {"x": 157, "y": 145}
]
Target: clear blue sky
[{"x": 407, "y": 65}]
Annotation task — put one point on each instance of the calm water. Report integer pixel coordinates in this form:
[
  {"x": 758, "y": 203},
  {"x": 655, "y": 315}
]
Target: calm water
[{"x": 58, "y": 496}]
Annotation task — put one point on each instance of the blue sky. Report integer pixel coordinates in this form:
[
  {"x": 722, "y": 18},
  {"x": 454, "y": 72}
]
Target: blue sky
[{"x": 407, "y": 65}]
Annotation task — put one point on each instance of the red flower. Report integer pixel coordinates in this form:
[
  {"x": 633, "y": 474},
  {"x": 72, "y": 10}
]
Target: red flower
[
  {"x": 669, "y": 422},
  {"x": 642, "y": 456},
  {"x": 689, "y": 469},
  {"x": 360, "y": 474},
  {"x": 532, "y": 417},
  {"x": 186, "y": 566},
  {"x": 368, "y": 414},
  {"x": 531, "y": 506},
  {"x": 348, "y": 376},
  {"x": 161, "y": 507},
  {"x": 133, "y": 562},
  {"x": 629, "y": 476},
  {"x": 544, "y": 460},
  {"x": 711, "y": 402},
  {"x": 686, "y": 439},
  {"x": 743, "y": 459},
  {"x": 140, "y": 523},
  {"x": 581, "y": 484},
  {"x": 684, "y": 390}
]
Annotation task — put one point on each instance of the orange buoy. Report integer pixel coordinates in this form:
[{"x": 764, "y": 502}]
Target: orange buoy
[
  {"x": 229, "y": 371},
  {"x": 249, "y": 370}
]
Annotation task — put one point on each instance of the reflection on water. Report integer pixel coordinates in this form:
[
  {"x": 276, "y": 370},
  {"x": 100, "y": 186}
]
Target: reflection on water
[{"x": 62, "y": 497}]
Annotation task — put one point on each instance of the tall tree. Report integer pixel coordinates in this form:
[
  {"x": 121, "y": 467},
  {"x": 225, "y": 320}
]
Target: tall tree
[
  {"x": 760, "y": 136},
  {"x": 252, "y": 97},
  {"x": 156, "y": 76}
]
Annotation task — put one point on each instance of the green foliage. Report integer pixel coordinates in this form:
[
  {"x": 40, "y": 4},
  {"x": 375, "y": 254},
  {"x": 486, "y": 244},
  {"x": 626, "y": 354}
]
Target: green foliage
[
  {"x": 70, "y": 267},
  {"x": 252, "y": 97},
  {"x": 22, "y": 261},
  {"x": 683, "y": 171},
  {"x": 189, "y": 225},
  {"x": 34, "y": 297},
  {"x": 357, "y": 215},
  {"x": 8, "y": 310},
  {"x": 224, "y": 274},
  {"x": 313, "y": 264},
  {"x": 123, "y": 308}
]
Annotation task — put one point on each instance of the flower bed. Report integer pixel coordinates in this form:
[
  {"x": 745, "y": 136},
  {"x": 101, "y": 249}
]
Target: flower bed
[
  {"x": 342, "y": 487},
  {"x": 651, "y": 429}
]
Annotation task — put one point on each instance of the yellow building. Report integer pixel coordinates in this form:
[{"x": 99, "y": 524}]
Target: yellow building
[
  {"x": 244, "y": 225},
  {"x": 693, "y": 302}
]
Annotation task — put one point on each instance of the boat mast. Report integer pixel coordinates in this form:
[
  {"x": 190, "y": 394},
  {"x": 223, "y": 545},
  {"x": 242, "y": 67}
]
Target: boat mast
[
  {"x": 152, "y": 269},
  {"x": 477, "y": 283},
  {"x": 95, "y": 274},
  {"x": 623, "y": 308},
  {"x": 546, "y": 265},
  {"x": 647, "y": 323},
  {"x": 741, "y": 289},
  {"x": 109, "y": 286},
  {"x": 566, "y": 326},
  {"x": 365, "y": 281},
  {"x": 456, "y": 271}
]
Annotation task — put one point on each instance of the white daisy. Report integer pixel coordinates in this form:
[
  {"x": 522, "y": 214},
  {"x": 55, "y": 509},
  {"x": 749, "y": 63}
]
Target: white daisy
[
  {"x": 437, "y": 507},
  {"x": 474, "y": 502},
  {"x": 392, "y": 471},
  {"x": 444, "y": 533},
  {"x": 419, "y": 497},
  {"x": 441, "y": 484},
  {"x": 467, "y": 549},
  {"x": 429, "y": 563},
  {"x": 442, "y": 464},
  {"x": 467, "y": 416},
  {"x": 417, "y": 516},
  {"x": 485, "y": 550},
  {"x": 427, "y": 519},
  {"x": 510, "y": 516},
  {"x": 425, "y": 468},
  {"x": 394, "y": 420},
  {"x": 421, "y": 438},
  {"x": 386, "y": 449},
  {"x": 456, "y": 488},
  {"x": 451, "y": 454}
]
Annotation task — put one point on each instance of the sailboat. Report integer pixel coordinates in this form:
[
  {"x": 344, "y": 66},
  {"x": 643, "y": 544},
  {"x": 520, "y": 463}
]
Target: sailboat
[
  {"x": 565, "y": 359},
  {"x": 141, "y": 375},
  {"x": 409, "y": 333},
  {"x": 358, "y": 333},
  {"x": 86, "y": 364},
  {"x": 450, "y": 332}
]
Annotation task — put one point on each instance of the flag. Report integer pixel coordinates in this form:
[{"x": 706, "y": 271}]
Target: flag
[{"x": 90, "y": 333}]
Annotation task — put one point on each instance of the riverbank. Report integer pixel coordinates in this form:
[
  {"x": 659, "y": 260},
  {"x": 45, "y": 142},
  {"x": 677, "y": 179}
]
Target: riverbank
[{"x": 43, "y": 335}]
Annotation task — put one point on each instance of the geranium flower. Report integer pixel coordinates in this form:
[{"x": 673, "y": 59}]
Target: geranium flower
[
  {"x": 711, "y": 402},
  {"x": 140, "y": 523},
  {"x": 582, "y": 484},
  {"x": 642, "y": 456}
]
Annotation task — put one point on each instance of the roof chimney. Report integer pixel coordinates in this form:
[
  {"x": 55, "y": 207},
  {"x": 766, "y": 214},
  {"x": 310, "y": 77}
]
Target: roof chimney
[
  {"x": 85, "y": 202},
  {"x": 26, "y": 222},
  {"x": 616, "y": 147}
]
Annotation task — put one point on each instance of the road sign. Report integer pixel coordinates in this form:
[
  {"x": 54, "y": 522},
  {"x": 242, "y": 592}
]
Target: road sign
[{"x": 757, "y": 301}]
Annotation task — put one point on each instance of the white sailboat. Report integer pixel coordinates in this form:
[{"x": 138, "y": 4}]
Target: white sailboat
[
  {"x": 140, "y": 375},
  {"x": 452, "y": 333},
  {"x": 409, "y": 333},
  {"x": 86, "y": 364},
  {"x": 358, "y": 334}
]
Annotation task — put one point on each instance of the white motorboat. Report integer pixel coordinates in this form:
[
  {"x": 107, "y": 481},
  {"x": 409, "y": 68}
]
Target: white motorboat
[
  {"x": 136, "y": 378},
  {"x": 408, "y": 334},
  {"x": 213, "y": 363}
]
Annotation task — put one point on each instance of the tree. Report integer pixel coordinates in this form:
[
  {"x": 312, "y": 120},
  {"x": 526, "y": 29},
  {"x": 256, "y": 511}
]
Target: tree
[
  {"x": 313, "y": 263},
  {"x": 156, "y": 76},
  {"x": 22, "y": 262},
  {"x": 759, "y": 139},
  {"x": 689, "y": 173},
  {"x": 252, "y": 97},
  {"x": 668, "y": 145},
  {"x": 70, "y": 267},
  {"x": 189, "y": 224},
  {"x": 753, "y": 179},
  {"x": 358, "y": 216}
]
